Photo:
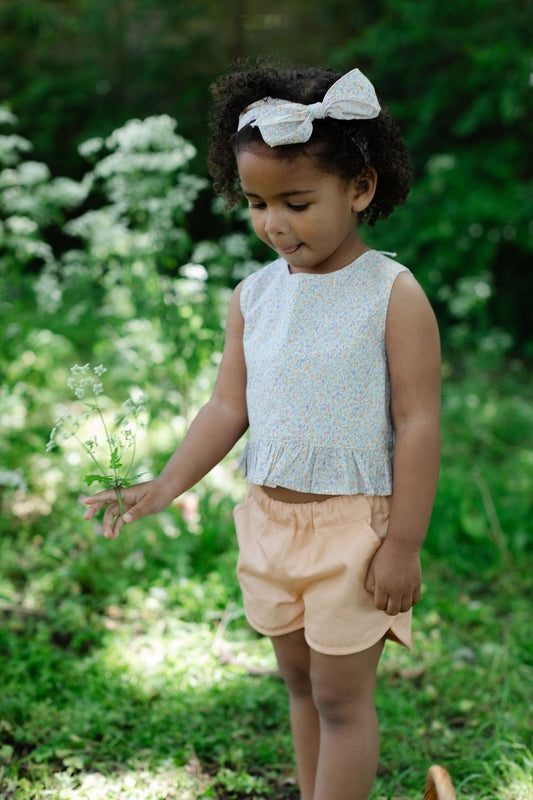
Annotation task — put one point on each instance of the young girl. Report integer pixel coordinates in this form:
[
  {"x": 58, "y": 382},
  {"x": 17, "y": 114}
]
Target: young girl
[{"x": 331, "y": 355}]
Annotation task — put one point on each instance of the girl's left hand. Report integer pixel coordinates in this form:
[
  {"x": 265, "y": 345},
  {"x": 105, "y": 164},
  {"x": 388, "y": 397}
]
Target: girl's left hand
[{"x": 394, "y": 578}]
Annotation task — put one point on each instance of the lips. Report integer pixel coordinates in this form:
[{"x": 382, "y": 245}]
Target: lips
[{"x": 290, "y": 250}]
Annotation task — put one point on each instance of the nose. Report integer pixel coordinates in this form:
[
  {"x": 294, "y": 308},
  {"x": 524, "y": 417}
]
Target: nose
[{"x": 275, "y": 222}]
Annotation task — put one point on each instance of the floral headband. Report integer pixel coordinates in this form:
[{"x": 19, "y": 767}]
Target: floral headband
[{"x": 283, "y": 122}]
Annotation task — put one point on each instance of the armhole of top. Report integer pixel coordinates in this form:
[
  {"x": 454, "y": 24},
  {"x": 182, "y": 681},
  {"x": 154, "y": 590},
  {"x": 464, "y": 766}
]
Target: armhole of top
[
  {"x": 243, "y": 297},
  {"x": 402, "y": 271}
]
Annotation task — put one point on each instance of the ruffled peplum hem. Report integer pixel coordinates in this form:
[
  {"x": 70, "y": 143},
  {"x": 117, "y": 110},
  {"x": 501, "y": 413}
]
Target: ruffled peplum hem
[{"x": 306, "y": 467}]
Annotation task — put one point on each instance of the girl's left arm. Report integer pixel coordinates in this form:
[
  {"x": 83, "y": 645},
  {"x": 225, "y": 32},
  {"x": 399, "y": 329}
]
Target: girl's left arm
[{"x": 413, "y": 353}]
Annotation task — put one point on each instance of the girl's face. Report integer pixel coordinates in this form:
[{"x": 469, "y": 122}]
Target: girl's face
[{"x": 306, "y": 215}]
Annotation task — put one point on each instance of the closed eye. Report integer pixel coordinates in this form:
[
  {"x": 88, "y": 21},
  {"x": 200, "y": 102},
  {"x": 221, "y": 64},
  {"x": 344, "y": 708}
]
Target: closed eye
[{"x": 293, "y": 206}]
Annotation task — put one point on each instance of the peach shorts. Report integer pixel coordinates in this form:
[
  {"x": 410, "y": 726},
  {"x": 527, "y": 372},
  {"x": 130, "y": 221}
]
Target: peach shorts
[{"x": 304, "y": 566}]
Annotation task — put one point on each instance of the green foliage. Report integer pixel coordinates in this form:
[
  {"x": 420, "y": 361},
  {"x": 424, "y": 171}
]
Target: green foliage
[
  {"x": 105, "y": 266},
  {"x": 85, "y": 66},
  {"x": 457, "y": 78},
  {"x": 485, "y": 499}
]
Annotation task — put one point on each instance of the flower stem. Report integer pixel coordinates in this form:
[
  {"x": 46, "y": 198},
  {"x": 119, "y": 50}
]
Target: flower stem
[
  {"x": 110, "y": 446},
  {"x": 91, "y": 456},
  {"x": 116, "y": 487}
]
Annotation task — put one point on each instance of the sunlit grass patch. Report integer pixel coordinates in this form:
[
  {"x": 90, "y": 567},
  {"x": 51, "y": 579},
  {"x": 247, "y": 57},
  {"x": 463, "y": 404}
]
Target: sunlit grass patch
[
  {"x": 127, "y": 719},
  {"x": 139, "y": 782},
  {"x": 515, "y": 775}
]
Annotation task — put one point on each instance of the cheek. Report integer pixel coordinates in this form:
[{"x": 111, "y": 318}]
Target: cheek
[{"x": 257, "y": 225}]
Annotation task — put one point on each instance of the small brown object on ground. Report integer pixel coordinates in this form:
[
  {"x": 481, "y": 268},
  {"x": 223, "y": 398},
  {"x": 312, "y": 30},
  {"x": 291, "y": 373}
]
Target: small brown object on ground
[{"x": 439, "y": 785}]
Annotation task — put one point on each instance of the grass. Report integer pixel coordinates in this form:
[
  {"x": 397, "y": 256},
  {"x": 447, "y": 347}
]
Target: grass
[
  {"x": 114, "y": 680},
  {"x": 467, "y": 708},
  {"x": 130, "y": 698}
]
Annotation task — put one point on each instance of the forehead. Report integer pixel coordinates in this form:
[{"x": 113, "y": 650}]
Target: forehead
[{"x": 262, "y": 169}]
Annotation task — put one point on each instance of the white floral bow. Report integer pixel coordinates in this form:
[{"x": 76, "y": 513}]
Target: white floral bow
[{"x": 282, "y": 122}]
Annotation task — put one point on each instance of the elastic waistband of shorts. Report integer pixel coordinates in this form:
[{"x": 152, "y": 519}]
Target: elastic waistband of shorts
[{"x": 336, "y": 510}]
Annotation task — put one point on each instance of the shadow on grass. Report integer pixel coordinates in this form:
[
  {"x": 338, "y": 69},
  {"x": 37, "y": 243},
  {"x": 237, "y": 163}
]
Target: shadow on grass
[{"x": 146, "y": 694}]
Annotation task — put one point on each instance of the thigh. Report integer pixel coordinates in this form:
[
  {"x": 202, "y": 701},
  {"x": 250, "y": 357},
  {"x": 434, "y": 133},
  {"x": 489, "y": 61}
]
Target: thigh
[{"x": 344, "y": 679}]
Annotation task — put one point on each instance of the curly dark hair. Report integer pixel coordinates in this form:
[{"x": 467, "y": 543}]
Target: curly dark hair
[{"x": 345, "y": 148}]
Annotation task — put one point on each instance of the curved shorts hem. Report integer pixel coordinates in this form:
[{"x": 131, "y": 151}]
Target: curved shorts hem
[
  {"x": 387, "y": 632},
  {"x": 281, "y": 631},
  {"x": 359, "y": 647}
]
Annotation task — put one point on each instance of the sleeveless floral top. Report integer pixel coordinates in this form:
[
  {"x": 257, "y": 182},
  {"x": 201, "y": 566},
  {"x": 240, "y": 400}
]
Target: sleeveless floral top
[{"x": 318, "y": 388}]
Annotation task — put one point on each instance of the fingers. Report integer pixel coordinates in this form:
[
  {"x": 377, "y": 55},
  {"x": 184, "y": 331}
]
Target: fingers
[
  {"x": 394, "y": 590},
  {"x": 97, "y": 501},
  {"x": 143, "y": 508},
  {"x": 101, "y": 499},
  {"x": 390, "y": 602},
  {"x": 112, "y": 521},
  {"x": 393, "y": 605}
]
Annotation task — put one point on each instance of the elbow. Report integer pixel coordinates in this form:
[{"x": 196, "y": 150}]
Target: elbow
[
  {"x": 232, "y": 415},
  {"x": 424, "y": 427}
]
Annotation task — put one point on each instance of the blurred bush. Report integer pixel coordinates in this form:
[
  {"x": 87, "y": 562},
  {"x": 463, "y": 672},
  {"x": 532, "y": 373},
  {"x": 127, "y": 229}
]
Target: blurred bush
[
  {"x": 104, "y": 268},
  {"x": 456, "y": 76}
]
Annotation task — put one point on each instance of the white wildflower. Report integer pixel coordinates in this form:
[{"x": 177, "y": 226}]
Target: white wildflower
[
  {"x": 107, "y": 456},
  {"x": 78, "y": 369},
  {"x": 91, "y": 444}
]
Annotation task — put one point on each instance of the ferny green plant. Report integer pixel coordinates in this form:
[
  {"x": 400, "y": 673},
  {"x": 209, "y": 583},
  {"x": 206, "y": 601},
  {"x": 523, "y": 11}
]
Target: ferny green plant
[{"x": 113, "y": 457}]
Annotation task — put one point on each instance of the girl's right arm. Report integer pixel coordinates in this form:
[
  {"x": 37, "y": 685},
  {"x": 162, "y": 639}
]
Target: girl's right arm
[{"x": 212, "y": 434}]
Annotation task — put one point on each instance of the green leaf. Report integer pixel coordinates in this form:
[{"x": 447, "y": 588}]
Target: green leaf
[
  {"x": 114, "y": 459},
  {"x": 103, "y": 479},
  {"x": 123, "y": 482}
]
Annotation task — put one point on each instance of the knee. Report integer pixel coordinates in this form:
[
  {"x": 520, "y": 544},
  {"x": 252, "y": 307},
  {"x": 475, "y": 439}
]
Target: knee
[
  {"x": 331, "y": 702},
  {"x": 337, "y": 706},
  {"x": 296, "y": 679}
]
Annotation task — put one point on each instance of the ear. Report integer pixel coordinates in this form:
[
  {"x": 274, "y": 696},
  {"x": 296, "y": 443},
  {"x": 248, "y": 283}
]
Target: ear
[{"x": 364, "y": 189}]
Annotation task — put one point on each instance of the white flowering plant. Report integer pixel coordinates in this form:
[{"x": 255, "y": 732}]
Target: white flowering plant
[{"x": 113, "y": 457}]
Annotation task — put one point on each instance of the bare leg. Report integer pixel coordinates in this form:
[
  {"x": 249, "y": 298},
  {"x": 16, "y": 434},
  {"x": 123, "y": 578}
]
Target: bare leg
[
  {"x": 343, "y": 692},
  {"x": 294, "y": 660},
  {"x": 333, "y": 718}
]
